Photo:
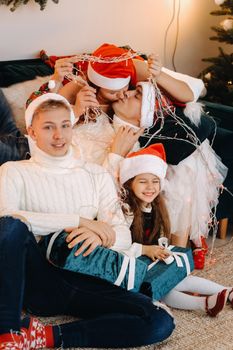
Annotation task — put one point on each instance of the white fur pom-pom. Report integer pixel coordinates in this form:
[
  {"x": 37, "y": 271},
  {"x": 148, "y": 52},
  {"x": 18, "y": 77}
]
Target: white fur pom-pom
[
  {"x": 193, "y": 111},
  {"x": 51, "y": 84}
]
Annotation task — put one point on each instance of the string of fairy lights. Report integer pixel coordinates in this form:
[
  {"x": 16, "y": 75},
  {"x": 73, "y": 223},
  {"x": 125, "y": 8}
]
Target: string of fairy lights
[
  {"x": 191, "y": 138},
  {"x": 163, "y": 110},
  {"x": 79, "y": 77}
]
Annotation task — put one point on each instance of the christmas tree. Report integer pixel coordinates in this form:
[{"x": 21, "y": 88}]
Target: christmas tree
[{"x": 218, "y": 77}]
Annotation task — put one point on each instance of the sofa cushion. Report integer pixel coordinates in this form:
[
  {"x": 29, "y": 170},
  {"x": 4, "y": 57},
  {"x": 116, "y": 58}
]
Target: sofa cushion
[{"x": 17, "y": 95}]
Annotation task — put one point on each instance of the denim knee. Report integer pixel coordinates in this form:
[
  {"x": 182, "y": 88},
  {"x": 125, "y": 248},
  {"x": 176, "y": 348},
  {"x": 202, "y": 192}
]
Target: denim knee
[
  {"x": 12, "y": 229},
  {"x": 161, "y": 325}
]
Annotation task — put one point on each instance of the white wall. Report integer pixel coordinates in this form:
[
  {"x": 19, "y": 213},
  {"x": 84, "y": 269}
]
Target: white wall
[{"x": 74, "y": 26}]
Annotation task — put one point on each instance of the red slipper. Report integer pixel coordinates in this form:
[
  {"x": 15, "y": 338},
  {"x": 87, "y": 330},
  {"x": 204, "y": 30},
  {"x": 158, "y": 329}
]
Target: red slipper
[{"x": 219, "y": 305}]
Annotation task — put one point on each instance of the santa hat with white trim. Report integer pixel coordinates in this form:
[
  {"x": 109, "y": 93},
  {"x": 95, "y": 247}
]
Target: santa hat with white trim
[
  {"x": 42, "y": 98},
  {"x": 192, "y": 110},
  {"x": 151, "y": 160},
  {"x": 114, "y": 75},
  {"x": 148, "y": 104}
]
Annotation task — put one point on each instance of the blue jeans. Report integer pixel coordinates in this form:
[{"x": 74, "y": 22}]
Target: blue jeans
[
  {"x": 13, "y": 145},
  {"x": 111, "y": 316}
]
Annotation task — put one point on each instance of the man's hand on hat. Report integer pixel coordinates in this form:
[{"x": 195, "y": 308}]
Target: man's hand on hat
[
  {"x": 125, "y": 139},
  {"x": 154, "y": 65},
  {"x": 85, "y": 98}
]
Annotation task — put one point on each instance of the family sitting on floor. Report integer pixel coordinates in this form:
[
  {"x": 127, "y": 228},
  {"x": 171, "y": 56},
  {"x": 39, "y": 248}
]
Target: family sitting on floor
[{"x": 157, "y": 158}]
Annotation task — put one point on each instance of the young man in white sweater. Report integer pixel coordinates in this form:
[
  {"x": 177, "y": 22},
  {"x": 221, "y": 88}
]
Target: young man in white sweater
[{"x": 55, "y": 190}]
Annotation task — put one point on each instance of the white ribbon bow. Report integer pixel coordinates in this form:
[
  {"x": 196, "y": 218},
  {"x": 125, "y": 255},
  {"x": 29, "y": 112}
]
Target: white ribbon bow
[{"x": 163, "y": 241}]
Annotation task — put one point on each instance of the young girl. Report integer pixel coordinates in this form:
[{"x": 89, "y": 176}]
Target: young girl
[{"x": 142, "y": 175}]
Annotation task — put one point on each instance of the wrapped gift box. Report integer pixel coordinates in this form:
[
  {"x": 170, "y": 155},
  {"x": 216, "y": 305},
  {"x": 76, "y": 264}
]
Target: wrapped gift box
[
  {"x": 140, "y": 274},
  {"x": 161, "y": 278},
  {"x": 117, "y": 268}
]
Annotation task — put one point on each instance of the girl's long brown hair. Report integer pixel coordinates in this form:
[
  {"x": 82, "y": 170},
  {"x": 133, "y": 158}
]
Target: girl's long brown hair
[{"x": 161, "y": 224}]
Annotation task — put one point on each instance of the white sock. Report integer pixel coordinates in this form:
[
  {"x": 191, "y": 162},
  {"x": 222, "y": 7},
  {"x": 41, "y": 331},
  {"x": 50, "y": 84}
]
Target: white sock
[
  {"x": 195, "y": 284},
  {"x": 230, "y": 296},
  {"x": 180, "y": 300}
]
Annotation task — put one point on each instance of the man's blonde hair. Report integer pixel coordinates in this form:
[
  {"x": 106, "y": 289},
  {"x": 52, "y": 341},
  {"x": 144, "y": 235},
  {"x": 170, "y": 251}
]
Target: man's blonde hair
[{"x": 50, "y": 105}]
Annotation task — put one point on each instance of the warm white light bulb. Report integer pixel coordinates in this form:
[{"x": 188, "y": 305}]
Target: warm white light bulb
[
  {"x": 227, "y": 24},
  {"x": 219, "y": 2},
  {"x": 207, "y": 76}
]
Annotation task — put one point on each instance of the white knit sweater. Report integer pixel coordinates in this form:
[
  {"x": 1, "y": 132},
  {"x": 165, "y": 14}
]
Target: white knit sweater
[{"x": 52, "y": 193}]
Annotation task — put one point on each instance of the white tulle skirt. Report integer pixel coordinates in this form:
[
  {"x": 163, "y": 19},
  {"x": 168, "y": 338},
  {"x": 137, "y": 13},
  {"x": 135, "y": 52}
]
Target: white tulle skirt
[{"x": 192, "y": 191}]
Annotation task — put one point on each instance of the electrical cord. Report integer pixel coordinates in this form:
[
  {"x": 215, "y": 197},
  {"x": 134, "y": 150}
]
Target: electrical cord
[{"x": 177, "y": 34}]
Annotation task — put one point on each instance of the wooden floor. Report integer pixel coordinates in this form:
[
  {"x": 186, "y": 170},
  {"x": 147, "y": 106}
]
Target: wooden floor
[{"x": 219, "y": 242}]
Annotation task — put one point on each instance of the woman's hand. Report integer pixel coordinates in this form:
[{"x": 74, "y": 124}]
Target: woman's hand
[
  {"x": 85, "y": 98},
  {"x": 154, "y": 65},
  {"x": 125, "y": 139},
  {"x": 155, "y": 252}
]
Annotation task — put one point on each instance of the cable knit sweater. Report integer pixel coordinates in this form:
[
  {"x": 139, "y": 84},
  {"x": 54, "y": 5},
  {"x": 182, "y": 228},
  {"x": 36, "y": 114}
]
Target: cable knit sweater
[{"x": 52, "y": 193}]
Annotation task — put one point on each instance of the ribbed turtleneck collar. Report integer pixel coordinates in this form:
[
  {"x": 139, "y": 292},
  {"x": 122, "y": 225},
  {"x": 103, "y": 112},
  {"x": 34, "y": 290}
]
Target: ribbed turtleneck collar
[{"x": 55, "y": 164}]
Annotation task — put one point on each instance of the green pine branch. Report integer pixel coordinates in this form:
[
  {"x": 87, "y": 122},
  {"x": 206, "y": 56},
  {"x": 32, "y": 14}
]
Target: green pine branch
[
  {"x": 223, "y": 35},
  {"x": 226, "y": 12},
  {"x": 218, "y": 76},
  {"x": 16, "y": 3}
]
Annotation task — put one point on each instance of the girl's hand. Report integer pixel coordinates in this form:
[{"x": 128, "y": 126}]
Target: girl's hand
[
  {"x": 63, "y": 66},
  {"x": 154, "y": 65},
  {"x": 86, "y": 97},
  {"x": 155, "y": 252}
]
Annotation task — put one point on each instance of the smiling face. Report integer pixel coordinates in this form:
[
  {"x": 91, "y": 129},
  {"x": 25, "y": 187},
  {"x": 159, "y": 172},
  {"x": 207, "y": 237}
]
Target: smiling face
[
  {"x": 52, "y": 130},
  {"x": 129, "y": 108},
  {"x": 146, "y": 187}
]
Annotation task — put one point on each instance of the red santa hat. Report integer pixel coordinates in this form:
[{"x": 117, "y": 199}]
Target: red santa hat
[
  {"x": 114, "y": 75},
  {"x": 42, "y": 98},
  {"x": 151, "y": 160}
]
